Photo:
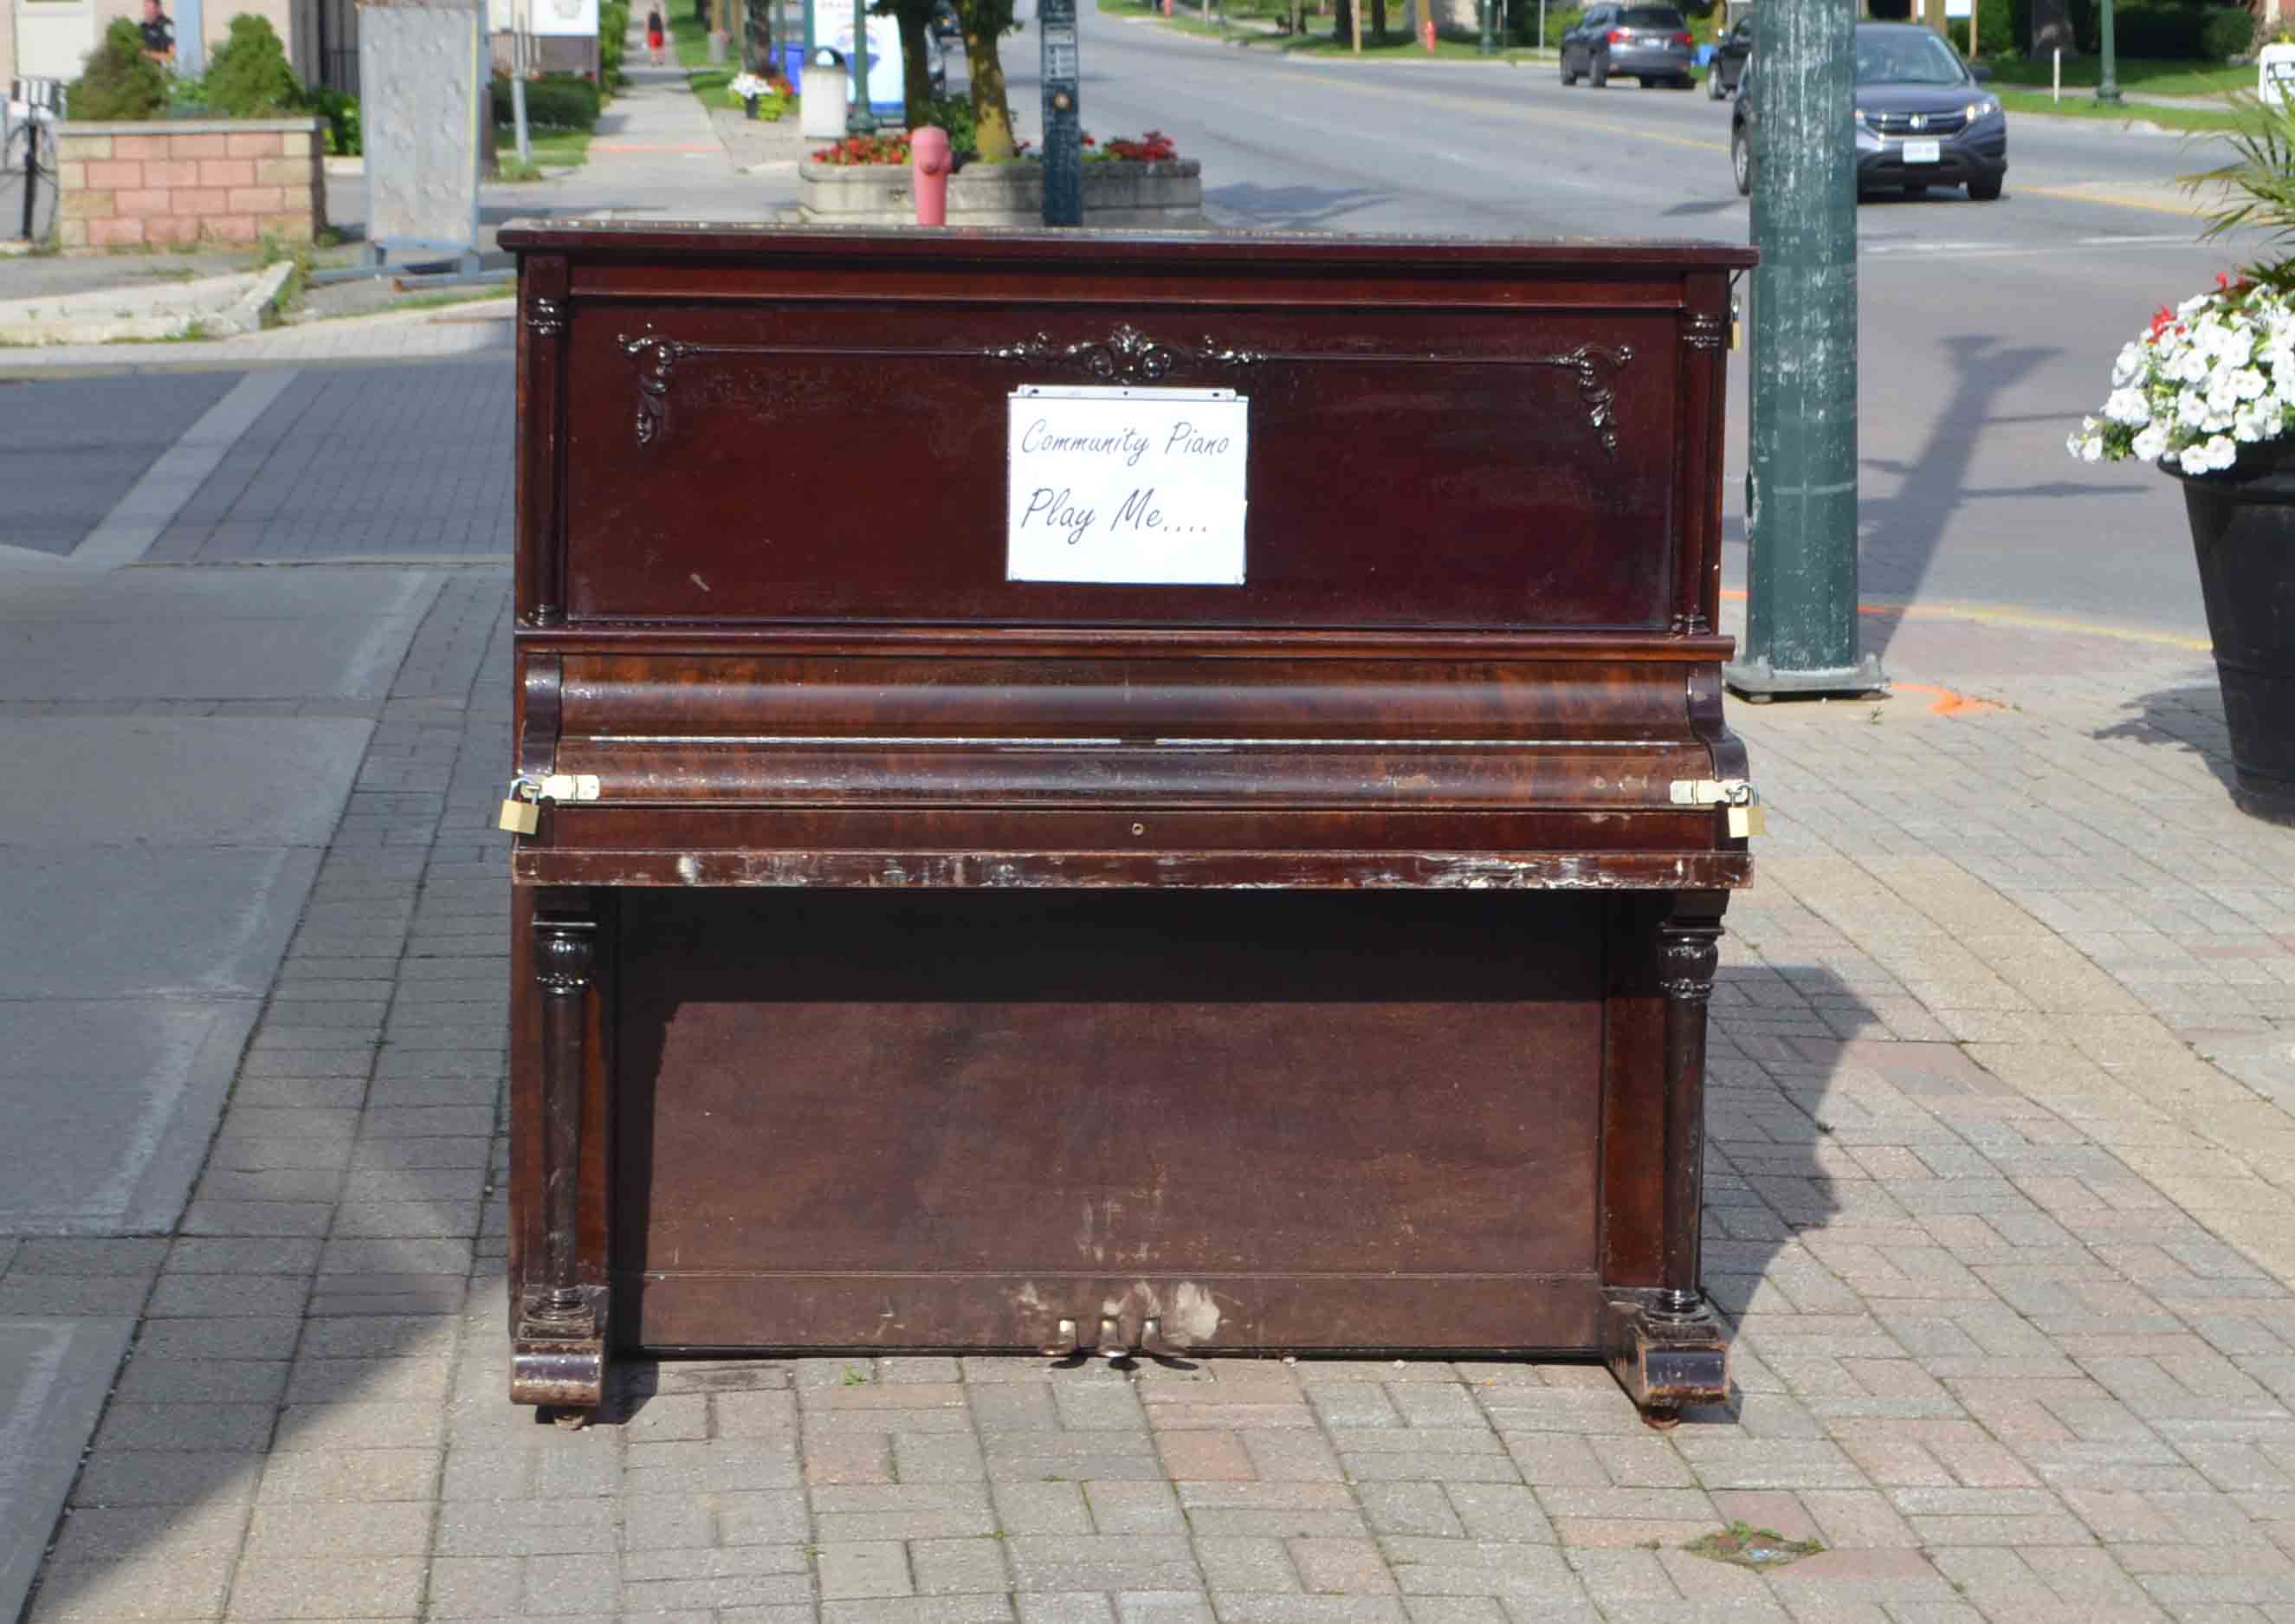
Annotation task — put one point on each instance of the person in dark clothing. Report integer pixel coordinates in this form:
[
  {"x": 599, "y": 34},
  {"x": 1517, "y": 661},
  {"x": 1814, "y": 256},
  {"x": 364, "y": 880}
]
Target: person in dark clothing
[
  {"x": 656, "y": 31},
  {"x": 158, "y": 33}
]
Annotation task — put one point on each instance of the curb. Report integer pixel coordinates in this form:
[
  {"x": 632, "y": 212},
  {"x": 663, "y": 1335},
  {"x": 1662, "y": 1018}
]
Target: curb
[{"x": 179, "y": 310}]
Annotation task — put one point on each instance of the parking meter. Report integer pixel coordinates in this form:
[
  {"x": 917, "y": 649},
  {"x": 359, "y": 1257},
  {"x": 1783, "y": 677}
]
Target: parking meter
[{"x": 1056, "y": 23}]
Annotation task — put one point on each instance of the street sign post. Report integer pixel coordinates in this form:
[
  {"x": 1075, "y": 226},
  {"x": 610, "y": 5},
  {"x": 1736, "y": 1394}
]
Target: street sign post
[
  {"x": 1800, "y": 481},
  {"x": 1063, "y": 76}
]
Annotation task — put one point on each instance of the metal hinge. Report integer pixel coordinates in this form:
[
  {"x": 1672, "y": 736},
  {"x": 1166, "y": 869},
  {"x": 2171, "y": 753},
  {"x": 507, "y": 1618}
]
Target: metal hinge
[
  {"x": 521, "y": 808},
  {"x": 1735, "y": 795}
]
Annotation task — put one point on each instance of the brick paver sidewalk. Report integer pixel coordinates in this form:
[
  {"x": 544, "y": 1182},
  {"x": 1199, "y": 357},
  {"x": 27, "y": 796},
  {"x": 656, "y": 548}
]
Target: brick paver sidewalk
[{"x": 2002, "y": 1193}]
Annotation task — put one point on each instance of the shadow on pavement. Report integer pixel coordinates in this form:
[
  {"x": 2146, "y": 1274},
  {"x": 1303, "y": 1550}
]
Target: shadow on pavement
[
  {"x": 1899, "y": 534},
  {"x": 1291, "y": 208},
  {"x": 2191, "y": 717}
]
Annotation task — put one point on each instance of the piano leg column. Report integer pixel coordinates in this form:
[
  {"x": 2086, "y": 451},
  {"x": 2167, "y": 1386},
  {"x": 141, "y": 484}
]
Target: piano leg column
[
  {"x": 557, "y": 1345},
  {"x": 1665, "y": 1344}
]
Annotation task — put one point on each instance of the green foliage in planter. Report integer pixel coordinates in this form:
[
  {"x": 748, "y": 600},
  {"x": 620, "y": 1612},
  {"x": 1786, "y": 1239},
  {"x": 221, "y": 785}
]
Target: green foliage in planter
[
  {"x": 556, "y": 101},
  {"x": 954, "y": 115},
  {"x": 248, "y": 76},
  {"x": 119, "y": 82}
]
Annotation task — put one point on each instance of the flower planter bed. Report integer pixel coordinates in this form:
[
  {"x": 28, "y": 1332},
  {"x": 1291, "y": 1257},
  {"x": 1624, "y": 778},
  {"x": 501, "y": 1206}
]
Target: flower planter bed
[{"x": 1116, "y": 192}]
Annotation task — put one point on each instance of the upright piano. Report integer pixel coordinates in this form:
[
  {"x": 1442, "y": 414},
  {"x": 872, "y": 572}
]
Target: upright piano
[{"x": 1143, "y": 795}]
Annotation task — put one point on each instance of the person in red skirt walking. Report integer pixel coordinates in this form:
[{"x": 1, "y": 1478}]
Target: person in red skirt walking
[{"x": 656, "y": 30}]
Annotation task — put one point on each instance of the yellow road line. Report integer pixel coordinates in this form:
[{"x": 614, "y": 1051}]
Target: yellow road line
[
  {"x": 1510, "y": 109},
  {"x": 2020, "y": 620},
  {"x": 2183, "y": 211}
]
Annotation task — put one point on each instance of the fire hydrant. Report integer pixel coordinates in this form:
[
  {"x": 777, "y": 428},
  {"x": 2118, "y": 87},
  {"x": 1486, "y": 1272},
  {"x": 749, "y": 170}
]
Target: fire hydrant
[
  {"x": 1426, "y": 33},
  {"x": 929, "y": 163}
]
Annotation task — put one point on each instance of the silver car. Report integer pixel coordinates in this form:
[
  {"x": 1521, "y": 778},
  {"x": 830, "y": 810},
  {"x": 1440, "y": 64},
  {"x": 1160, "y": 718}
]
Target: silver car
[{"x": 1649, "y": 43}]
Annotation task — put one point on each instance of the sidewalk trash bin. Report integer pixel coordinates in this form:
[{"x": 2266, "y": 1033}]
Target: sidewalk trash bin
[{"x": 821, "y": 109}]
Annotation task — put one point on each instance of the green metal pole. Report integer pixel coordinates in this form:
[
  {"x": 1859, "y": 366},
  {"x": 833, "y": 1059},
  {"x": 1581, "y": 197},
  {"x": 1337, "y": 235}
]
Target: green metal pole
[
  {"x": 2107, "y": 88},
  {"x": 860, "y": 118},
  {"x": 1800, "y": 481},
  {"x": 1490, "y": 45}
]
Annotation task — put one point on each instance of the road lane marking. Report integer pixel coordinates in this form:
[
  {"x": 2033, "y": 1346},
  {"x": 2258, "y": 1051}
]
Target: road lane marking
[
  {"x": 126, "y": 532},
  {"x": 1526, "y": 115},
  {"x": 1990, "y": 615}
]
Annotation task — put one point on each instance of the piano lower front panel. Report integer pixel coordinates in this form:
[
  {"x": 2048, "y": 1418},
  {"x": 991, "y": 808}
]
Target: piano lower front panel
[{"x": 1309, "y": 1122}]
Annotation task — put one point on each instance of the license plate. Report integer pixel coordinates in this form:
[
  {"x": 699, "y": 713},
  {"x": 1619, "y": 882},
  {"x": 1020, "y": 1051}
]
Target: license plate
[{"x": 1923, "y": 151}]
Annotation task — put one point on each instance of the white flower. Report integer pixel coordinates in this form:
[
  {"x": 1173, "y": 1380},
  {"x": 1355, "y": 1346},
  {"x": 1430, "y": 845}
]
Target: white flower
[
  {"x": 2191, "y": 408},
  {"x": 2252, "y": 423},
  {"x": 2128, "y": 367},
  {"x": 2129, "y": 406},
  {"x": 2151, "y": 442}
]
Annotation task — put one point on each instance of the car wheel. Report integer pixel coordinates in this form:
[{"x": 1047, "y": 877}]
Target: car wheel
[
  {"x": 1648, "y": 81},
  {"x": 1685, "y": 81},
  {"x": 1741, "y": 162},
  {"x": 1568, "y": 78},
  {"x": 1714, "y": 89},
  {"x": 1984, "y": 191},
  {"x": 1598, "y": 71}
]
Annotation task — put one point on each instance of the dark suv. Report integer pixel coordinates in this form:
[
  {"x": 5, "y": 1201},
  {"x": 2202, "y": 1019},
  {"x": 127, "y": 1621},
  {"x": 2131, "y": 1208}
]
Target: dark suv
[
  {"x": 1649, "y": 43},
  {"x": 1921, "y": 119}
]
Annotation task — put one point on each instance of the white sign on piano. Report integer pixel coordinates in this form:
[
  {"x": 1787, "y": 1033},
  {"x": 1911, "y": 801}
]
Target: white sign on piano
[{"x": 1142, "y": 486}]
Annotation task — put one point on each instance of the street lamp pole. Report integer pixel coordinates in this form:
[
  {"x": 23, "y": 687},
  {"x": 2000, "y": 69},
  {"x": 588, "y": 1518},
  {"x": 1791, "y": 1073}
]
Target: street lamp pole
[
  {"x": 1489, "y": 9},
  {"x": 860, "y": 118},
  {"x": 2107, "y": 89},
  {"x": 1800, "y": 475}
]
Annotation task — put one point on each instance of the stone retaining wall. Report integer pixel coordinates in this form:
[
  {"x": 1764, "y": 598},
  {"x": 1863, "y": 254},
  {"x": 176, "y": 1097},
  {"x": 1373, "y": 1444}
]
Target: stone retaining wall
[
  {"x": 124, "y": 185},
  {"x": 1119, "y": 193}
]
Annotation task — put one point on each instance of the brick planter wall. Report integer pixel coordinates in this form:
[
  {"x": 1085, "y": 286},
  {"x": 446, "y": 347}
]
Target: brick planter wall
[{"x": 184, "y": 181}]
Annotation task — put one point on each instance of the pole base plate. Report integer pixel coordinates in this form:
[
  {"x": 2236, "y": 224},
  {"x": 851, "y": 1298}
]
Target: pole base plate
[{"x": 1757, "y": 679}]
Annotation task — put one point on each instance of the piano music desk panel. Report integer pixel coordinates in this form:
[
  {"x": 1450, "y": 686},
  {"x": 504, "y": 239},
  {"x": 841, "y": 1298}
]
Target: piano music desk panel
[{"x": 1147, "y": 796}]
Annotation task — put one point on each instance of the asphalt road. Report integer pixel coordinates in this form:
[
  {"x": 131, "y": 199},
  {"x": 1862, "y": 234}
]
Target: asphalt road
[{"x": 1986, "y": 329}]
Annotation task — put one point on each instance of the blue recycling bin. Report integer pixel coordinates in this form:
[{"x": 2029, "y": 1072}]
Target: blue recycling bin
[{"x": 793, "y": 65}]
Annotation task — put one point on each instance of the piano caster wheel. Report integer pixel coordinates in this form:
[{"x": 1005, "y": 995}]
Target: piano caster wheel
[{"x": 1662, "y": 1417}]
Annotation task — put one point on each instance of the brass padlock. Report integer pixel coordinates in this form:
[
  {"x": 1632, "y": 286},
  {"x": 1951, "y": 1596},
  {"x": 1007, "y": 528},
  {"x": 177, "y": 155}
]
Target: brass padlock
[{"x": 521, "y": 812}]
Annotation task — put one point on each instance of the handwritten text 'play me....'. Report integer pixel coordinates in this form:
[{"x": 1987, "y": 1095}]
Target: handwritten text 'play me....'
[{"x": 1057, "y": 509}]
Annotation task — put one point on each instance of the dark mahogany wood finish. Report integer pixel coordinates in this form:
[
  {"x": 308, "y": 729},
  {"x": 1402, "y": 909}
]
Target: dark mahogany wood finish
[{"x": 1316, "y": 963}]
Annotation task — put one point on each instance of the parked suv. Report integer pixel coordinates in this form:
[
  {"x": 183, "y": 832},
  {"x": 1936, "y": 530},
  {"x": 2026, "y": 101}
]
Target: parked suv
[
  {"x": 1922, "y": 117},
  {"x": 1649, "y": 43}
]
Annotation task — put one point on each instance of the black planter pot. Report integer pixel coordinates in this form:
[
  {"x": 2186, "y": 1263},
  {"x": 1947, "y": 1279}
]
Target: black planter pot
[{"x": 2243, "y": 532}]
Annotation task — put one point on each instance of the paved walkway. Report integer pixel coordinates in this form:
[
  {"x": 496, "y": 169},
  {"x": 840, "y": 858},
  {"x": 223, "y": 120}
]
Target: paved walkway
[
  {"x": 2002, "y": 1181},
  {"x": 658, "y": 154}
]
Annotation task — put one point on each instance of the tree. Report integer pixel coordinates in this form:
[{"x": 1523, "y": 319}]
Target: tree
[
  {"x": 119, "y": 82},
  {"x": 982, "y": 22},
  {"x": 915, "y": 18}
]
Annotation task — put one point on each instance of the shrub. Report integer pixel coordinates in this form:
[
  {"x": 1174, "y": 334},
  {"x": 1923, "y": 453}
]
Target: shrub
[
  {"x": 248, "y": 76},
  {"x": 556, "y": 101},
  {"x": 119, "y": 82},
  {"x": 1522, "y": 24},
  {"x": 341, "y": 113},
  {"x": 613, "y": 43}
]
